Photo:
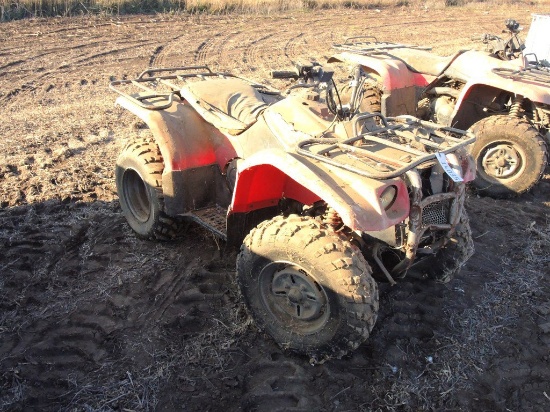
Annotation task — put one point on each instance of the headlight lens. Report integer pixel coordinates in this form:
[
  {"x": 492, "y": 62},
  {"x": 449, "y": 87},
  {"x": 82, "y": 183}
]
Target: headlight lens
[{"x": 388, "y": 196}]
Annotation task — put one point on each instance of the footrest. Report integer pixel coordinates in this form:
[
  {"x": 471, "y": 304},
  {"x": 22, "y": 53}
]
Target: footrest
[{"x": 213, "y": 218}]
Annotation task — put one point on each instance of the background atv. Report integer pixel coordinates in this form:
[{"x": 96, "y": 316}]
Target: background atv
[
  {"x": 311, "y": 192},
  {"x": 506, "y": 105}
]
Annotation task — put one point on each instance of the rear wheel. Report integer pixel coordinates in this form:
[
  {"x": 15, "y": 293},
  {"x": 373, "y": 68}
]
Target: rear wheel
[
  {"x": 139, "y": 186},
  {"x": 306, "y": 286},
  {"x": 510, "y": 154}
]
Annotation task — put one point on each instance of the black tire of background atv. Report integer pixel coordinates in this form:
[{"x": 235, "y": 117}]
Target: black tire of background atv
[
  {"x": 524, "y": 137},
  {"x": 328, "y": 265},
  {"x": 371, "y": 102},
  {"x": 138, "y": 178},
  {"x": 448, "y": 261}
]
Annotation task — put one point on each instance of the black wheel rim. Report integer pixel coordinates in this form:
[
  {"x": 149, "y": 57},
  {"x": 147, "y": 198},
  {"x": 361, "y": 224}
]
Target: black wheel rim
[
  {"x": 293, "y": 298},
  {"x": 136, "y": 195}
]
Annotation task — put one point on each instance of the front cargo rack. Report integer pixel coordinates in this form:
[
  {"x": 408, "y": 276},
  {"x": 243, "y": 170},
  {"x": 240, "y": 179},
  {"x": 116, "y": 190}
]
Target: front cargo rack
[
  {"x": 369, "y": 45},
  {"x": 535, "y": 74},
  {"x": 398, "y": 145},
  {"x": 156, "y": 89}
]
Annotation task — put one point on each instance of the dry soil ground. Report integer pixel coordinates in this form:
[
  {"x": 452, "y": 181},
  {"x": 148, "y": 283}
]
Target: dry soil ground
[{"x": 94, "y": 319}]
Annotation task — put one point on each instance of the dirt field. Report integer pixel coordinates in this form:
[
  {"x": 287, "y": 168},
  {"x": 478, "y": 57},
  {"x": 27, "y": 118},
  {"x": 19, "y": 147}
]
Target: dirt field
[{"x": 92, "y": 318}]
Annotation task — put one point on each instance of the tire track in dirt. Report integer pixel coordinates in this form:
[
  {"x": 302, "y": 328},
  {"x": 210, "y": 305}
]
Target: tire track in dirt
[
  {"x": 82, "y": 60},
  {"x": 211, "y": 51},
  {"x": 170, "y": 286},
  {"x": 278, "y": 385},
  {"x": 251, "y": 57},
  {"x": 184, "y": 297},
  {"x": 290, "y": 49},
  {"x": 202, "y": 51},
  {"x": 69, "y": 337},
  {"x": 159, "y": 54},
  {"x": 85, "y": 60}
]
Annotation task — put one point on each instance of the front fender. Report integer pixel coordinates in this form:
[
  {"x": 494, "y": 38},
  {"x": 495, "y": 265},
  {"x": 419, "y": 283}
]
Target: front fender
[
  {"x": 478, "y": 70},
  {"x": 270, "y": 175},
  {"x": 532, "y": 91}
]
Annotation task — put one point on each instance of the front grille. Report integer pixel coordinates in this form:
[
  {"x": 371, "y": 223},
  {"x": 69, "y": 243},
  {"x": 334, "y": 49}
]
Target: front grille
[{"x": 436, "y": 213}]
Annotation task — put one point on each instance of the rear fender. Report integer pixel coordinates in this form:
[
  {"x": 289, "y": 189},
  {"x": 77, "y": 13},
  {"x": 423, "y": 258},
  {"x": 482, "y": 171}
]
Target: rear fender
[
  {"x": 271, "y": 175},
  {"x": 185, "y": 140},
  {"x": 392, "y": 73},
  {"x": 398, "y": 83}
]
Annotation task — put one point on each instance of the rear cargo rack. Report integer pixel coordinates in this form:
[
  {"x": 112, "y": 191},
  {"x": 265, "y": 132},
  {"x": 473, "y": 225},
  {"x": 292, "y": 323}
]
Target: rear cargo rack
[
  {"x": 364, "y": 153},
  {"x": 363, "y": 45},
  {"x": 156, "y": 89}
]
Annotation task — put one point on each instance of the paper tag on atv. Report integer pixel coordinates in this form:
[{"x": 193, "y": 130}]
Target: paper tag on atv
[{"x": 442, "y": 159}]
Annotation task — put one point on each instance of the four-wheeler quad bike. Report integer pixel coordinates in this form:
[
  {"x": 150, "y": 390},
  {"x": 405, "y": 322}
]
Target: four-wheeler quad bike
[
  {"x": 505, "y": 104},
  {"x": 319, "y": 199}
]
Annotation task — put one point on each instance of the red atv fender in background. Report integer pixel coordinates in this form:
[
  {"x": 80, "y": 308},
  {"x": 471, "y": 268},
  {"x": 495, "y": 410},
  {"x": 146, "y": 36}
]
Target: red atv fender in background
[{"x": 508, "y": 106}]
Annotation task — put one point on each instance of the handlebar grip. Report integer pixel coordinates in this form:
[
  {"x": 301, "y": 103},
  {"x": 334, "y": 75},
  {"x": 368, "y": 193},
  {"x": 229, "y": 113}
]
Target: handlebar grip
[{"x": 284, "y": 74}]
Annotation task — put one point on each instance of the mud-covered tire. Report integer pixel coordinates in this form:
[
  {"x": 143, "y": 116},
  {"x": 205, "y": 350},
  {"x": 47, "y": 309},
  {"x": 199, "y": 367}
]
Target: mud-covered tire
[
  {"x": 510, "y": 154},
  {"x": 307, "y": 287},
  {"x": 138, "y": 178},
  {"x": 450, "y": 259},
  {"x": 371, "y": 101}
]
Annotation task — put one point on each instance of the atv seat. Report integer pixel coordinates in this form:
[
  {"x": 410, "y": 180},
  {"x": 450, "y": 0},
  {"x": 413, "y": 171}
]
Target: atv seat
[
  {"x": 423, "y": 61},
  {"x": 230, "y": 104}
]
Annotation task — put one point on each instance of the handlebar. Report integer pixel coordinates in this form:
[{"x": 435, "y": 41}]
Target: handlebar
[
  {"x": 284, "y": 74},
  {"x": 308, "y": 73}
]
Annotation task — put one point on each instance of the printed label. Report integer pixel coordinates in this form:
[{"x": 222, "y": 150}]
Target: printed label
[{"x": 442, "y": 159}]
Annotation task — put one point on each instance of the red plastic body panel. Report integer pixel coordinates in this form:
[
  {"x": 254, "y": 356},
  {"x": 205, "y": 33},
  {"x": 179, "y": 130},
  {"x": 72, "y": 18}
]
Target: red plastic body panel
[
  {"x": 269, "y": 173},
  {"x": 393, "y": 73},
  {"x": 261, "y": 182},
  {"x": 185, "y": 139},
  {"x": 475, "y": 68}
]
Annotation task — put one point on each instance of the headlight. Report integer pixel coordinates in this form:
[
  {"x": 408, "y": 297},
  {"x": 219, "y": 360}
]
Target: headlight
[{"x": 388, "y": 196}]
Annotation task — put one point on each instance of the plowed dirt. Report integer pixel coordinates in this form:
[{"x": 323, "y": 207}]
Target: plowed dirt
[{"x": 94, "y": 319}]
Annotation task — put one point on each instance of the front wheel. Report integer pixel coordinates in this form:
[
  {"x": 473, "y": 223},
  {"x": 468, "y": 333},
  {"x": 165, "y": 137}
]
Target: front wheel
[
  {"x": 510, "y": 154},
  {"x": 306, "y": 286}
]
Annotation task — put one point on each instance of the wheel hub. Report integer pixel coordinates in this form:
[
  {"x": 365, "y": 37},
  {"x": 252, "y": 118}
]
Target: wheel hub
[
  {"x": 501, "y": 161},
  {"x": 297, "y": 294}
]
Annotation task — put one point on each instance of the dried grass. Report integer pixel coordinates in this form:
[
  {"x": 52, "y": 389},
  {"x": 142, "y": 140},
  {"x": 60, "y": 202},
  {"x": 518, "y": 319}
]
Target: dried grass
[{"x": 15, "y": 9}]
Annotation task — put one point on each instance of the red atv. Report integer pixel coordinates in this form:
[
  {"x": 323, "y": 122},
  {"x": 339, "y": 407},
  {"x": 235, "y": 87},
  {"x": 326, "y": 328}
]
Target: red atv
[
  {"x": 319, "y": 198},
  {"x": 506, "y": 105}
]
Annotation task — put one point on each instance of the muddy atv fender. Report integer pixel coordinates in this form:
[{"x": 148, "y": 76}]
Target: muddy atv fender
[
  {"x": 392, "y": 73},
  {"x": 271, "y": 175},
  {"x": 396, "y": 82},
  {"x": 186, "y": 143}
]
